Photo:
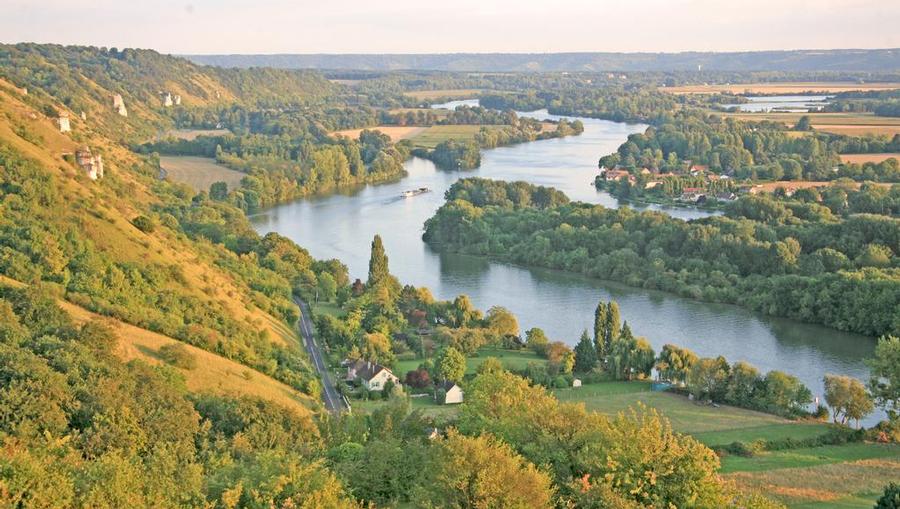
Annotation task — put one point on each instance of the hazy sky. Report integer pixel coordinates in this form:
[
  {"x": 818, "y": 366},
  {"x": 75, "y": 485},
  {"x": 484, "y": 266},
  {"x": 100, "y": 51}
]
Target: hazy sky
[{"x": 423, "y": 26}]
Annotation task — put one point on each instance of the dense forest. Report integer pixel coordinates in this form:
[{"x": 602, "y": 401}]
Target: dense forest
[{"x": 798, "y": 261}]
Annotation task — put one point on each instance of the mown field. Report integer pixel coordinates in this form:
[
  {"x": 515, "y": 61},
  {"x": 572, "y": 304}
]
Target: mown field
[
  {"x": 396, "y": 133},
  {"x": 868, "y": 158},
  {"x": 855, "y": 124},
  {"x": 199, "y": 172},
  {"x": 780, "y": 88},
  {"x": 431, "y": 137},
  {"x": 454, "y": 93},
  {"x": 192, "y": 134}
]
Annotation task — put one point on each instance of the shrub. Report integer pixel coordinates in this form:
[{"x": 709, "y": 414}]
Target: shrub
[
  {"x": 891, "y": 497},
  {"x": 178, "y": 355},
  {"x": 144, "y": 224}
]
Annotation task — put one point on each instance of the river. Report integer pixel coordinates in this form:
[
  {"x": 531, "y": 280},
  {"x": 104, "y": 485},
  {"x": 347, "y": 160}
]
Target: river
[{"x": 342, "y": 226}]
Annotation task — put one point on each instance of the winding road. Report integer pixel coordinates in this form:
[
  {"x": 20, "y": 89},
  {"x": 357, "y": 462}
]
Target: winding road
[{"x": 334, "y": 402}]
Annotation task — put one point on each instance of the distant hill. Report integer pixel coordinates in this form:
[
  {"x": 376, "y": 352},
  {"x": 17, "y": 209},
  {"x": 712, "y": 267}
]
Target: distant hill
[{"x": 793, "y": 60}]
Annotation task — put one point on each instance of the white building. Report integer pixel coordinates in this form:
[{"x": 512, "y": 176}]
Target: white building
[
  {"x": 454, "y": 393},
  {"x": 370, "y": 375}
]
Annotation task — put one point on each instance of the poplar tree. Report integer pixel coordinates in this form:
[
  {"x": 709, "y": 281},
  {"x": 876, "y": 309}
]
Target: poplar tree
[
  {"x": 378, "y": 263},
  {"x": 599, "y": 328}
]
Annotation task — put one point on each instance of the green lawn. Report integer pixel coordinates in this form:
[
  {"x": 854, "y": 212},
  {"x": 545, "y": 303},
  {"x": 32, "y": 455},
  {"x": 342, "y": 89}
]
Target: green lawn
[
  {"x": 434, "y": 135},
  {"x": 328, "y": 308},
  {"x": 795, "y": 430},
  {"x": 426, "y": 404},
  {"x": 810, "y": 457},
  {"x": 686, "y": 416}
]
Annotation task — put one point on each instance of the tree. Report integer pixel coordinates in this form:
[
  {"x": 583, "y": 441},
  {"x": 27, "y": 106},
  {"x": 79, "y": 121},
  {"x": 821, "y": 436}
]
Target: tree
[
  {"x": 599, "y": 328},
  {"x": 451, "y": 365},
  {"x": 674, "y": 363},
  {"x": 611, "y": 329},
  {"x": 560, "y": 357},
  {"x": 327, "y": 287},
  {"x": 378, "y": 263},
  {"x": 585, "y": 354},
  {"x": 742, "y": 383},
  {"x": 707, "y": 378},
  {"x": 376, "y": 347},
  {"x": 885, "y": 376},
  {"x": 847, "y": 398},
  {"x": 417, "y": 378},
  {"x": 890, "y": 499},
  {"x": 804, "y": 124},
  {"x": 537, "y": 341},
  {"x": 471, "y": 472},
  {"x": 218, "y": 191},
  {"x": 784, "y": 393},
  {"x": 490, "y": 365},
  {"x": 502, "y": 324}
]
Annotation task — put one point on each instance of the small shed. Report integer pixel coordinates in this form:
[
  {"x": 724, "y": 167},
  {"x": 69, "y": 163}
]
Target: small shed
[{"x": 576, "y": 383}]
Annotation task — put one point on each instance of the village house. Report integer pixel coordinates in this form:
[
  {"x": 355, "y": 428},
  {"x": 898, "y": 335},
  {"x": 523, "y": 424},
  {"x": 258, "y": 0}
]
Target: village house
[
  {"x": 370, "y": 375},
  {"x": 454, "y": 393},
  {"x": 692, "y": 195},
  {"x": 64, "y": 125},
  {"x": 697, "y": 169},
  {"x": 616, "y": 175},
  {"x": 90, "y": 163}
]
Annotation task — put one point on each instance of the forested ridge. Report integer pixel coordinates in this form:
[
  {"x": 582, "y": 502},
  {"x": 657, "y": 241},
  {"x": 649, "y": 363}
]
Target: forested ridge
[{"x": 782, "y": 259}]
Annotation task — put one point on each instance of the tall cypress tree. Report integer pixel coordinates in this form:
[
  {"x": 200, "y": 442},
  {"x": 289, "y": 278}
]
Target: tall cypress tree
[
  {"x": 378, "y": 263},
  {"x": 599, "y": 330}
]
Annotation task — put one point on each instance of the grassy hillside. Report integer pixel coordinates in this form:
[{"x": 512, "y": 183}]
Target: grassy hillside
[{"x": 84, "y": 238}]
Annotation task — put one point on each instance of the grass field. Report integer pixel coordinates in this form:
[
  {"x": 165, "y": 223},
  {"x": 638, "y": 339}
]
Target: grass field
[
  {"x": 845, "y": 476},
  {"x": 432, "y": 136},
  {"x": 199, "y": 172},
  {"x": 212, "y": 374},
  {"x": 780, "y": 88},
  {"x": 868, "y": 158},
  {"x": 192, "y": 134},
  {"x": 454, "y": 93}
]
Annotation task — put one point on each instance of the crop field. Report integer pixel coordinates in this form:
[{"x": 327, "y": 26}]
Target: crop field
[
  {"x": 868, "y": 158},
  {"x": 455, "y": 93},
  {"x": 199, "y": 172},
  {"x": 396, "y": 133},
  {"x": 780, "y": 88}
]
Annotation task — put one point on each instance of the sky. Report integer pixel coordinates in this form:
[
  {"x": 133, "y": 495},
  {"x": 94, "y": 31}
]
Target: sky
[{"x": 479, "y": 26}]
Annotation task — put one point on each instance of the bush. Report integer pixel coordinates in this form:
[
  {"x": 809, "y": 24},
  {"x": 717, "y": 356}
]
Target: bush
[
  {"x": 178, "y": 355},
  {"x": 891, "y": 497},
  {"x": 144, "y": 224},
  {"x": 560, "y": 382}
]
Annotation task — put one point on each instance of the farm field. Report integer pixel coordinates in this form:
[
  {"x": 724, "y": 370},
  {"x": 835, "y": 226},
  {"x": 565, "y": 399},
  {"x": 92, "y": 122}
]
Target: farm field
[
  {"x": 455, "y": 93},
  {"x": 199, "y": 172},
  {"x": 780, "y": 88},
  {"x": 856, "y": 124},
  {"x": 844, "y": 476},
  {"x": 396, "y": 133},
  {"x": 868, "y": 158}
]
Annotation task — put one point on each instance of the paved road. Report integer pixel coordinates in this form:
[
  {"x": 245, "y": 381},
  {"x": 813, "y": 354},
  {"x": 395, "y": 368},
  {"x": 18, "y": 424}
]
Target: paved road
[{"x": 334, "y": 402}]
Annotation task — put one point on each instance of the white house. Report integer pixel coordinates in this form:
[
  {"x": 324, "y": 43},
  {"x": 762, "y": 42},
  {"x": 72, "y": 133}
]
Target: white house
[
  {"x": 576, "y": 383},
  {"x": 454, "y": 393},
  {"x": 370, "y": 375}
]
